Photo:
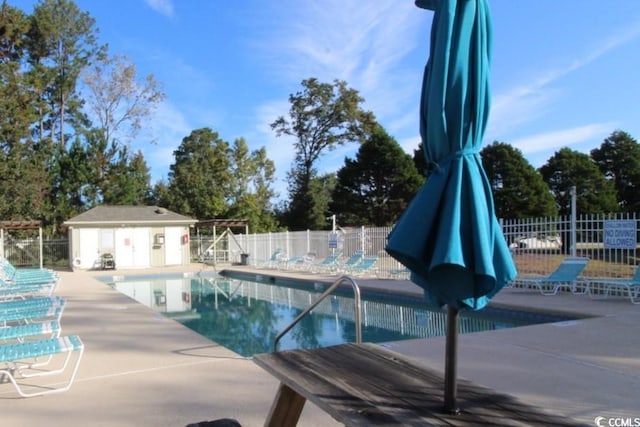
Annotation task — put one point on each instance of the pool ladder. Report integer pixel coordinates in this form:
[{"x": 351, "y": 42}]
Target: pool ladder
[{"x": 326, "y": 293}]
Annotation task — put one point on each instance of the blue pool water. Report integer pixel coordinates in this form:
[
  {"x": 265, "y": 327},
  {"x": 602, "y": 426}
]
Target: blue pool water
[{"x": 246, "y": 315}]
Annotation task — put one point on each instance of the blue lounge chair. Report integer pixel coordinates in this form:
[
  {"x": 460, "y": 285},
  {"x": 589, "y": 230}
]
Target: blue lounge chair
[
  {"x": 301, "y": 263},
  {"x": 600, "y": 288},
  {"x": 26, "y": 281},
  {"x": 9, "y": 291},
  {"x": 275, "y": 259},
  {"x": 16, "y": 361},
  {"x": 327, "y": 265},
  {"x": 565, "y": 276},
  {"x": 46, "y": 329},
  {"x": 9, "y": 273},
  {"x": 355, "y": 259},
  {"x": 30, "y": 303},
  {"x": 367, "y": 265},
  {"x": 20, "y": 317},
  {"x": 400, "y": 273}
]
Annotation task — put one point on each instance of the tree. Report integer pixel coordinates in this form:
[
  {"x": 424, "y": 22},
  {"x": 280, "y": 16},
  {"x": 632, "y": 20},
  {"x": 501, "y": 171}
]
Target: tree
[
  {"x": 127, "y": 180},
  {"x": 210, "y": 179},
  {"x": 251, "y": 192},
  {"x": 118, "y": 100},
  {"x": 321, "y": 117},
  {"x": 322, "y": 188},
  {"x": 568, "y": 168},
  {"x": 62, "y": 42},
  {"x": 377, "y": 186},
  {"x": 619, "y": 160},
  {"x": 518, "y": 188},
  {"x": 24, "y": 181},
  {"x": 16, "y": 95},
  {"x": 72, "y": 189},
  {"x": 420, "y": 161},
  {"x": 200, "y": 178}
]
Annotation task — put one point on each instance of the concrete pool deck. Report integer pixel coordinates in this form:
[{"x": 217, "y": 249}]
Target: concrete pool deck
[{"x": 143, "y": 369}]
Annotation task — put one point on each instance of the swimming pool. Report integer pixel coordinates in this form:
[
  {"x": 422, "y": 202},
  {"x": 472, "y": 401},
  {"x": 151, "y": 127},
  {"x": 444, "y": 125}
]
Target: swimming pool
[{"x": 246, "y": 315}]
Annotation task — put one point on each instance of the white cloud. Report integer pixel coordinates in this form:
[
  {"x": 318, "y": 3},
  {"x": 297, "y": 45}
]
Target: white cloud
[
  {"x": 409, "y": 145},
  {"x": 164, "y": 7},
  {"x": 364, "y": 44},
  {"x": 169, "y": 126},
  {"x": 361, "y": 43},
  {"x": 280, "y": 150},
  {"x": 527, "y": 103},
  {"x": 562, "y": 138}
]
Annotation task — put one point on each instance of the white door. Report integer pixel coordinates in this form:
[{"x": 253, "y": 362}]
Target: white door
[
  {"x": 88, "y": 256},
  {"x": 173, "y": 246},
  {"x": 124, "y": 248},
  {"x": 141, "y": 253},
  {"x": 132, "y": 247}
]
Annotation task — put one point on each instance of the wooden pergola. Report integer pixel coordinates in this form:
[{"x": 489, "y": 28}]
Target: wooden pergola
[
  {"x": 227, "y": 224},
  {"x": 20, "y": 225}
]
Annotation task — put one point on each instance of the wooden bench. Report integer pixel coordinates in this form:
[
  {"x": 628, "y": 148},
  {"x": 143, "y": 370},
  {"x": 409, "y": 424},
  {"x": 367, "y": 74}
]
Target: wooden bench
[{"x": 369, "y": 385}]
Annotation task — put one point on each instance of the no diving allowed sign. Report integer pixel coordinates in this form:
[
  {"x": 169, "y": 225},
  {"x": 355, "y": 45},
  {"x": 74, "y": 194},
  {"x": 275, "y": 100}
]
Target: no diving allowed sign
[{"x": 620, "y": 234}]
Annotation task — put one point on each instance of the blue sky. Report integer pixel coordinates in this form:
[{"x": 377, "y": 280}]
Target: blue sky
[{"x": 564, "y": 73}]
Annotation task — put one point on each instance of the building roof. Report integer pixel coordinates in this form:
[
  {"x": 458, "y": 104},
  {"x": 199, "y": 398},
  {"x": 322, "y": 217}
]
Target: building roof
[{"x": 128, "y": 216}]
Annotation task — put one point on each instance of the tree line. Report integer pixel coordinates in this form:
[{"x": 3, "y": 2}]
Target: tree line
[{"x": 71, "y": 110}]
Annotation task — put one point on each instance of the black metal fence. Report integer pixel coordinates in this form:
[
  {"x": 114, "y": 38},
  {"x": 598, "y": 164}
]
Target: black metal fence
[{"x": 26, "y": 253}]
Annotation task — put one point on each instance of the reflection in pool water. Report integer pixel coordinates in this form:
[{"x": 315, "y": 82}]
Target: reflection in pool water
[{"x": 245, "y": 316}]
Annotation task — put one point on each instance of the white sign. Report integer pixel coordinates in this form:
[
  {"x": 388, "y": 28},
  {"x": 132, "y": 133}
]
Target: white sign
[{"x": 620, "y": 234}]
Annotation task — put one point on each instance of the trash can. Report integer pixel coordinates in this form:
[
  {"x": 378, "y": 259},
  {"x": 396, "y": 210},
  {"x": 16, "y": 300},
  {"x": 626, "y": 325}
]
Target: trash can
[{"x": 244, "y": 259}]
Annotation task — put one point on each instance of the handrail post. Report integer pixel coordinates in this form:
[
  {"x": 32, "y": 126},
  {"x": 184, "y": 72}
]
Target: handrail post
[{"x": 326, "y": 293}]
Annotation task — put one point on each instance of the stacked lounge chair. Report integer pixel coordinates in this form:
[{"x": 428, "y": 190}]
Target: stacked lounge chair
[
  {"x": 22, "y": 282},
  {"x": 31, "y": 341}
]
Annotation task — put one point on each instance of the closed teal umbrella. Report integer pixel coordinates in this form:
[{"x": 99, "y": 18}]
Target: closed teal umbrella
[{"x": 449, "y": 236}]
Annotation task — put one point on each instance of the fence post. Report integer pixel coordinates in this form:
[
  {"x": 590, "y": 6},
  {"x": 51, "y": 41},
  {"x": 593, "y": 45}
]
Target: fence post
[
  {"x": 40, "y": 246},
  {"x": 287, "y": 249},
  {"x": 572, "y": 191}
]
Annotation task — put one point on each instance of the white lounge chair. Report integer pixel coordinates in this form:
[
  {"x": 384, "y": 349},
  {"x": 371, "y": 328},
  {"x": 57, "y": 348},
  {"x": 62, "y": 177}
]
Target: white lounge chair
[{"x": 16, "y": 361}]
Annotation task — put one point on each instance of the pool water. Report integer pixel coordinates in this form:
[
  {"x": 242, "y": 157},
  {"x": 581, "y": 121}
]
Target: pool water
[{"x": 246, "y": 316}]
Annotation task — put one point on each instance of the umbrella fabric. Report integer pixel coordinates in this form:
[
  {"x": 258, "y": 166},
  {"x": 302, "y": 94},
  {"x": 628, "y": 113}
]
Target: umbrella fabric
[{"x": 449, "y": 236}]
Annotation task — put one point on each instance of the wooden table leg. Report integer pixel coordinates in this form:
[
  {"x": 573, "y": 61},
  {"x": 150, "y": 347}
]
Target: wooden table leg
[{"x": 286, "y": 408}]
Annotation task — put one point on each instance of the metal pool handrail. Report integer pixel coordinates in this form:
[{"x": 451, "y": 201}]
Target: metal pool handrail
[{"x": 356, "y": 307}]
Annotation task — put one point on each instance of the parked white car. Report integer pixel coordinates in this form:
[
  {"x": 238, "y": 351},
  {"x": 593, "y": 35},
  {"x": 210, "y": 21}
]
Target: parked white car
[{"x": 537, "y": 242}]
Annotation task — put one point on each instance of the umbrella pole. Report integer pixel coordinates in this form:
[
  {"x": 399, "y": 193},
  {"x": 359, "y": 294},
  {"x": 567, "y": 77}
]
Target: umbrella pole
[{"x": 451, "y": 362}]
